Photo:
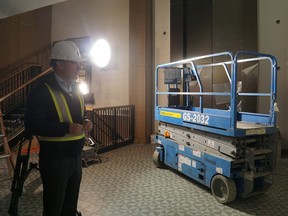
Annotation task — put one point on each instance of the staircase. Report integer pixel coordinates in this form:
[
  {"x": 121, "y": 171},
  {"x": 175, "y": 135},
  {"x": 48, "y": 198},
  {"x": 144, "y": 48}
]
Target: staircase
[{"x": 14, "y": 92}]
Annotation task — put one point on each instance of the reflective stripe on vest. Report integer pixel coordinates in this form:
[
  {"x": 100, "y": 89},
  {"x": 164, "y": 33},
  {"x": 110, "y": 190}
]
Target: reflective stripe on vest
[
  {"x": 81, "y": 99},
  {"x": 64, "y": 115}
]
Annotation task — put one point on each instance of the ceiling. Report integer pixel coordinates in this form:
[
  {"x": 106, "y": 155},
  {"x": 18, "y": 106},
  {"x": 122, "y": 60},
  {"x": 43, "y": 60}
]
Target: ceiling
[{"x": 12, "y": 7}]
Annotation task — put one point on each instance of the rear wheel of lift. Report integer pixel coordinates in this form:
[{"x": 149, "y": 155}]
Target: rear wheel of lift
[
  {"x": 223, "y": 189},
  {"x": 156, "y": 159}
]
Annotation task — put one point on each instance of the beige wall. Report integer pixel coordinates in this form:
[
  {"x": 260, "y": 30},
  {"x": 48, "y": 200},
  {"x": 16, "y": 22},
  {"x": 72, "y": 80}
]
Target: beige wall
[
  {"x": 161, "y": 40},
  {"x": 273, "y": 39},
  {"x": 162, "y": 31},
  {"x": 11, "y": 8},
  {"x": 107, "y": 19}
]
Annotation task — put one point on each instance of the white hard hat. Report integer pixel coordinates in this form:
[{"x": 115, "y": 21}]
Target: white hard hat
[{"x": 66, "y": 50}]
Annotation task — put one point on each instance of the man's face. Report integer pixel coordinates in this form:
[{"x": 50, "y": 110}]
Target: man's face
[{"x": 69, "y": 70}]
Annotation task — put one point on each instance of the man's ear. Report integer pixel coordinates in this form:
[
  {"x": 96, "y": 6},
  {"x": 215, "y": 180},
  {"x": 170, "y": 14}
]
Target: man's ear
[{"x": 60, "y": 65}]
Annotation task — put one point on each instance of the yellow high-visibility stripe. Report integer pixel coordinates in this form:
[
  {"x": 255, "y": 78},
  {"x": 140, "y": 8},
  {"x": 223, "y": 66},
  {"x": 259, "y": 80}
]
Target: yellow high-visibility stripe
[
  {"x": 81, "y": 103},
  {"x": 66, "y": 107},
  {"x": 56, "y": 103},
  {"x": 66, "y": 113},
  {"x": 61, "y": 139}
]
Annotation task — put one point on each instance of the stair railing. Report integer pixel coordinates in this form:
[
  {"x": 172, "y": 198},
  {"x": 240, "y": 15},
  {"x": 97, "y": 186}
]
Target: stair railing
[{"x": 13, "y": 105}]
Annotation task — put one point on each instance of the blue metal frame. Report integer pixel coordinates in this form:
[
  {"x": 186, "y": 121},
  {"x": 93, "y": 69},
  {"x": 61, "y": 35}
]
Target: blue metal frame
[
  {"x": 202, "y": 164},
  {"x": 222, "y": 122}
]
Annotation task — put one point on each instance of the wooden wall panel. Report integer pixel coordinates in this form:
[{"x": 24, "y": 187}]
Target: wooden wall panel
[
  {"x": 234, "y": 29},
  {"x": 140, "y": 67},
  {"x": 8, "y": 42},
  {"x": 43, "y": 35},
  {"x": 177, "y": 30},
  {"x": 200, "y": 27},
  {"x": 25, "y": 39}
]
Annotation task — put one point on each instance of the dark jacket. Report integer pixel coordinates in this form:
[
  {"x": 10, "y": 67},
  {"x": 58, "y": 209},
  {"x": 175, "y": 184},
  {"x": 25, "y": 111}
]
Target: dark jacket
[{"x": 42, "y": 120}]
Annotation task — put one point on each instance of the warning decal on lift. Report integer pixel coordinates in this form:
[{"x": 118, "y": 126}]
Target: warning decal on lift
[
  {"x": 196, "y": 153},
  {"x": 170, "y": 114},
  {"x": 181, "y": 147},
  {"x": 219, "y": 170},
  {"x": 256, "y": 131},
  {"x": 211, "y": 143},
  {"x": 193, "y": 163},
  {"x": 183, "y": 160}
]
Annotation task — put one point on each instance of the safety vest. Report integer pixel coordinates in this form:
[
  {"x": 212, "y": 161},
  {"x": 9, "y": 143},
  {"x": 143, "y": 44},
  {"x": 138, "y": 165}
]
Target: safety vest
[{"x": 63, "y": 114}]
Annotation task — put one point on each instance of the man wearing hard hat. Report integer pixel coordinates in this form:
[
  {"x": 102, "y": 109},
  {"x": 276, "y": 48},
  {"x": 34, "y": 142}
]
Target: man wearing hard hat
[{"x": 55, "y": 114}]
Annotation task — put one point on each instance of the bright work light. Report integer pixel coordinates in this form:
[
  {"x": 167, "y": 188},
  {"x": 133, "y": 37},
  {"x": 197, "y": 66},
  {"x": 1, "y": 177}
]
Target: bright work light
[
  {"x": 83, "y": 88},
  {"x": 100, "y": 53}
]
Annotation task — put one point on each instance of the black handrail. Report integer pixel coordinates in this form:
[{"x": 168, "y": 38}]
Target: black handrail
[{"x": 13, "y": 104}]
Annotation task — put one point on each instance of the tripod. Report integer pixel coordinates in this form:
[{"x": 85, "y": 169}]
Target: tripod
[{"x": 21, "y": 173}]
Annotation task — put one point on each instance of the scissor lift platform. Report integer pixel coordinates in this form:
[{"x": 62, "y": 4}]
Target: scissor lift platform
[{"x": 229, "y": 151}]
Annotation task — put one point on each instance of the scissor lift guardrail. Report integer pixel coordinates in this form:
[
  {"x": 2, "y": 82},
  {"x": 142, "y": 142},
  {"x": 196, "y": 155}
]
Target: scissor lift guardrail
[{"x": 224, "y": 122}]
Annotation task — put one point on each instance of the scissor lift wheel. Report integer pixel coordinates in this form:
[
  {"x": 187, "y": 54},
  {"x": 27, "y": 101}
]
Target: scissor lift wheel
[
  {"x": 223, "y": 189},
  {"x": 156, "y": 159}
]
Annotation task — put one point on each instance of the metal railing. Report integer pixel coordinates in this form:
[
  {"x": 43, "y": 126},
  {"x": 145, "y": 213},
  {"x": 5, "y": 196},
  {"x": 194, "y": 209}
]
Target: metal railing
[
  {"x": 16, "y": 90},
  {"x": 112, "y": 126},
  {"x": 227, "y": 121},
  {"x": 11, "y": 83}
]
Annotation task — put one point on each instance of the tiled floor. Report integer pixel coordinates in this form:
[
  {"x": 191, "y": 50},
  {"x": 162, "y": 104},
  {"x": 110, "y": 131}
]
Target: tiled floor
[{"x": 128, "y": 183}]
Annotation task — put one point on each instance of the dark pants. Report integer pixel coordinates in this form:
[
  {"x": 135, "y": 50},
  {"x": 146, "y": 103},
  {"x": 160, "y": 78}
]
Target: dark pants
[{"x": 61, "y": 178}]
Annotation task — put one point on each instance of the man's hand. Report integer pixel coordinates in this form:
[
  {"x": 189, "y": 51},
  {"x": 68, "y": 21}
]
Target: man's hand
[
  {"x": 75, "y": 129},
  {"x": 87, "y": 125}
]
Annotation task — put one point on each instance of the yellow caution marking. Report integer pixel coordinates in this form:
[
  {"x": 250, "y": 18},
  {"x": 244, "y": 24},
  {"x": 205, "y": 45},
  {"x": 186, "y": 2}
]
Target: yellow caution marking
[
  {"x": 256, "y": 131},
  {"x": 170, "y": 114}
]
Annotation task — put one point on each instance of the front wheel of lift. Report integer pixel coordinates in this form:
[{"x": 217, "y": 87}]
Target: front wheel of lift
[
  {"x": 156, "y": 159},
  {"x": 223, "y": 189}
]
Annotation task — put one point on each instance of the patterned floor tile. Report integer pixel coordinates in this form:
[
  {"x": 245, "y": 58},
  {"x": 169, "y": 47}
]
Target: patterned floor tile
[{"x": 127, "y": 183}]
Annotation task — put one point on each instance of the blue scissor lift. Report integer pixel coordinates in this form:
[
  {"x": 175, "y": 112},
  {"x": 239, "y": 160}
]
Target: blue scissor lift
[{"x": 230, "y": 151}]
